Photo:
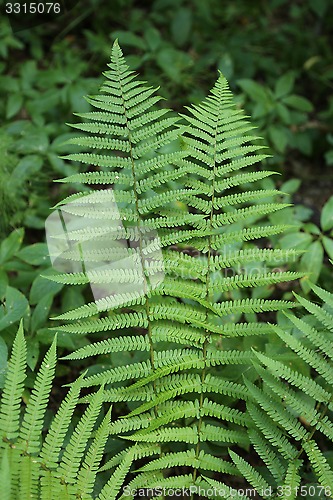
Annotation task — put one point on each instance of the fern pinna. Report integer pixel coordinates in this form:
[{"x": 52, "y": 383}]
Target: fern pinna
[{"x": 185, "y": 330}]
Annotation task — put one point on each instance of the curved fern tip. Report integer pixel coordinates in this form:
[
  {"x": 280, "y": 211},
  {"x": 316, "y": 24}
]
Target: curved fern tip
[
  {"x": 221, "y": 76},
  {"x": 116, "y": 49}
]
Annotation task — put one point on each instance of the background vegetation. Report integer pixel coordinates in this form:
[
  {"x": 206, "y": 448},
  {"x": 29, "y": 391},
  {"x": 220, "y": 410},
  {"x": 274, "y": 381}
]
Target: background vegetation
[{"x": 277, "y": 56}]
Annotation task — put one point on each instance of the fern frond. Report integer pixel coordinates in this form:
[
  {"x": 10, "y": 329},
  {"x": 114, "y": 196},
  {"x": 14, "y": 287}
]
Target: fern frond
[
  {"x": 72, "y": 457},
  {"x": 312, "y": 358},
  {"x": 302, "y": 407},
  {"x": 87, "y": 474},
  {"x": 173, "y": 384},
  {"x": 318, "y": 312},
  {"x": 118, "y": 374},
  {"x": 292, "y": 481},
  {"x": 114, "y": 484},
  {"x": 125, "y": 343},
  {"x": 167, "y": 412},
  {"x": 212, "y": 409},
  {"x": 223, "y": 490},
  {"x": 141, "y": 450},
  {"x": 29, "y": 473},
  {"x": 5, "y": 475},
  {"x": 33, "y": 420},
  {"x": 249, "y": 472},
  {"x": 253, "y": 280},
  {"x": 252, "y": 305},
  {"x": 205, "y": 461},
  {"x": 319, "y": 463},
  {"x": 309, "y": 386},
  {"x": 276, "y": 411},
  {"x": 316, "y": 337},
  {"x": 167, "y": 434},
  {"x": 114, "y": 322},
  {"x": 56, "y": 434},
  {"x": 219, "y": 434}
]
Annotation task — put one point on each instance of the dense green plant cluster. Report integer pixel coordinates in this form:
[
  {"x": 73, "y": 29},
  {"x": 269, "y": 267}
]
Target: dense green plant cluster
[{"x": 197, "y": 371}]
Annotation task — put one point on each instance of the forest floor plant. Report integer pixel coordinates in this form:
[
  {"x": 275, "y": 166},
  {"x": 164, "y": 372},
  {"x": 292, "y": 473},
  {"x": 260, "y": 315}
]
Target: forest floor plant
[{"x": 191, "y": 398}]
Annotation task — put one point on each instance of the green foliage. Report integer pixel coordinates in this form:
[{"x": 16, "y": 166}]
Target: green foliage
[
  {"x": 315, "y": 239},
  {"x": 296, "y": 409},
  {"x": 179, "y": 361}
]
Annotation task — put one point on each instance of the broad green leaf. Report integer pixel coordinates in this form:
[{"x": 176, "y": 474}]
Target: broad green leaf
[
  {"x": 311, "y": 263},
  {"x": 153, "y": 38},
  {"x": 14, "y": 308},
  {"x": 226, "y": 65},
  {"x": 34, "y": 141},
  {"x": 130, "y": 39},
  {"x": 310, "y": 227},
  {"x": 42, "y": 286},
  {"x": 298, "y": 241},
  {"x": 326, "y": 219},
  {"x": 14, "y": 104},
  {"x": 329, "y": 157},
  {"x": 41, "y": 312},
  {"x": 253, "y": 89},
  {"x": 328, "y": 245},
  {"x": 279, "y": 137},
  {"x": 32, "y": 352},
  {"x": 302, "y": 142},
  {"x": 298, "y": 102},
  {"x": 11, "y": 245},
  {"x": 36, "y": 254},
  {"x": 27, "y": 167},
  {"x": 291, "y": 186},
  {"x": 284, "y": 84},
  {"x": 302, "y": 213},
  {"x": 3, "y": 283},
  {"x": 319, "y": 6},
  {"x": 283, "y": 113}
]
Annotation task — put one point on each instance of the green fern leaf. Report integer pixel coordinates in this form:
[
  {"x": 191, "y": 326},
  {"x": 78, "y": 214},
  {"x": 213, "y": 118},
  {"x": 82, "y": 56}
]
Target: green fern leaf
[
  {"x": 56, "y": 434},
  {"x": 268, "y": 455},
  {"x": 272, "y": 432},
  {"x": 249, "y": 472},
  {"x": 72, "y": 457},
  {"x": 33, "y": 420},
  {"x": 114, "y": 484},
  {"x": 13, "y": 388},
  {"x": 292, "y": 481},
  {"x": 319, "y": 463},
  {"x": 87, "y": 474}
]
